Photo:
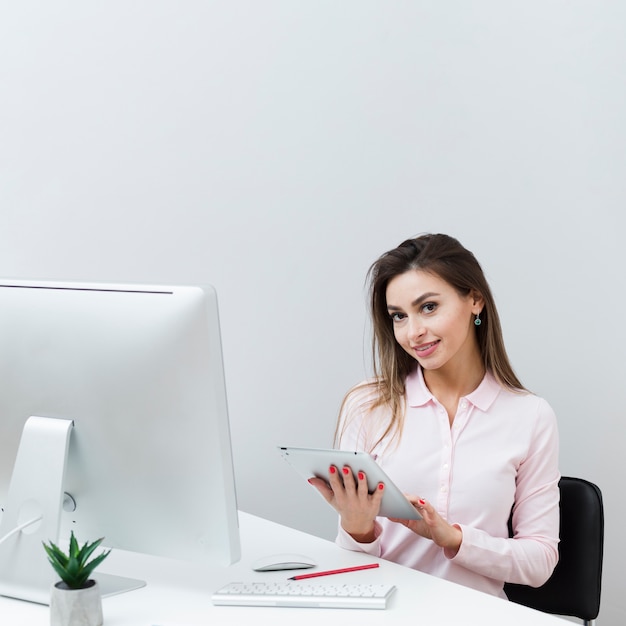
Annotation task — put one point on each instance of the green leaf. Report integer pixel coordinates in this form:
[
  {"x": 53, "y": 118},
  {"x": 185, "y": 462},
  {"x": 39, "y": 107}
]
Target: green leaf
[
  {"x": 87, "y": 550},
  {"x": 73, "y": 545}
]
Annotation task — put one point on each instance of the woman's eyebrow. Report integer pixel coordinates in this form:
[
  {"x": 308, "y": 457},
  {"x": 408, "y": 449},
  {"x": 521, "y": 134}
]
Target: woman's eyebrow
[
  {"x": 416, "y": 302},
  {"x": 424, "y": 296}
]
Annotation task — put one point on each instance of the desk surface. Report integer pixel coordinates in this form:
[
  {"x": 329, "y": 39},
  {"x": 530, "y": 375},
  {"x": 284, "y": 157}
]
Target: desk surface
[{"x": 179, "y": 594}]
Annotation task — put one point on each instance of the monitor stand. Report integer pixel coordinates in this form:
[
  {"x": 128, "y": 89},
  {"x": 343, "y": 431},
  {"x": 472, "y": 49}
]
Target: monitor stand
[
  {"x": 111, "y": 585},
  {"x": 34, "y": 501}
]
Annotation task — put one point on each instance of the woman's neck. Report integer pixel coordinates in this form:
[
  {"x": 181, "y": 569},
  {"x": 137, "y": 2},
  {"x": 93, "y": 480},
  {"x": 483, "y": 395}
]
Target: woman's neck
[{"x": 449, "y": 384}]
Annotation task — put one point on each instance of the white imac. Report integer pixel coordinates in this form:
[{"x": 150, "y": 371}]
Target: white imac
[{"x": 113, "y": 423}]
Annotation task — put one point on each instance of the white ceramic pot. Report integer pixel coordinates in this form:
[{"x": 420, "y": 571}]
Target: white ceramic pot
[{"x": 75, "y": 607}]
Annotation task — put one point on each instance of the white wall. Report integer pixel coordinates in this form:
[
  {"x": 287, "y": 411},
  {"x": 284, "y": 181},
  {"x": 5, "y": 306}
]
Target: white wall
[{"x": 275, "y": 149}]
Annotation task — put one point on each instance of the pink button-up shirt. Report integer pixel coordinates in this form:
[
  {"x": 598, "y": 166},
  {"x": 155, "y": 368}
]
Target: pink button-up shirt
[{"x": 501, "y": 452}]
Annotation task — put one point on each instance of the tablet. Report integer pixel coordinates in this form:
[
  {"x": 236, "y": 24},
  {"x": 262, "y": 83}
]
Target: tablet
[{"x": 310, "y": 462}]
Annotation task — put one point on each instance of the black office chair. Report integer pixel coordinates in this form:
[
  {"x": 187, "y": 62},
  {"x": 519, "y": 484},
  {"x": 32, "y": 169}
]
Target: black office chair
[{"x": 574, "y": 587}]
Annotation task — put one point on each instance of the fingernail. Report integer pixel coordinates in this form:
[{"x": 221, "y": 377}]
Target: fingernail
[
  {"x": 332, "y": 469},
  {"x": 381, "y": 486},
  {"x": 361, "y": 475},
  {"x": 345, "y": 470},
  {"x": 422, "y": 502}
]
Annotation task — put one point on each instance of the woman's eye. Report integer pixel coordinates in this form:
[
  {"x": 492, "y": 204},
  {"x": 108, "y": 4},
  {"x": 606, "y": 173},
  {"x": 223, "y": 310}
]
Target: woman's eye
[
  {"x": 397, "y": 317},
  {"x": 429, "y": 307}
]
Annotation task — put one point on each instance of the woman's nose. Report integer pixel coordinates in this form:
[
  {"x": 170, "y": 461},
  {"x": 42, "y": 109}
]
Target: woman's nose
[{"x": 416, "y": 328}]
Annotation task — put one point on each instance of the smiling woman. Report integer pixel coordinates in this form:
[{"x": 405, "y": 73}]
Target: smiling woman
[
  {"x": 436, "y": 328},
  {"x": 449, "y": 421}
]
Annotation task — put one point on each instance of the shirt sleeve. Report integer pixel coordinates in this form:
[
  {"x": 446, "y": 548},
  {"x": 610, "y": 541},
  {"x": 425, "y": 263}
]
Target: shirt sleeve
[
  {"x": 344, "y": 540},
  {"x": 531, "y": 555},
  {"x": 353, "y": 436}
]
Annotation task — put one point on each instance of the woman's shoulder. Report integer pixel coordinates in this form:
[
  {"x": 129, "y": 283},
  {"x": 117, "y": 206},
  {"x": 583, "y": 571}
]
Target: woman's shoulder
[
  {"x": 362, "y": 394},
  {"x": 362, "y": 417},
  {"x": 527, "y": 402}
]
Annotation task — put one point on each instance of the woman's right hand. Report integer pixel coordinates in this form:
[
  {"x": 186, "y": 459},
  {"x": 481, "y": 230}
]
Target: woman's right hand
[{"x": 356, "y": 507}]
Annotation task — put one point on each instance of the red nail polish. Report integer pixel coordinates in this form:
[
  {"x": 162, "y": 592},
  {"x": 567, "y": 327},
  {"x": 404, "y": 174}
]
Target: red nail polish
[
  {"x": 381, "y": 486},
  {"x": 345, "y": 471},
  {"x": 332, "y": 469},
  {"x": 422, "y": 502},
  {"x": 361, "y": 475}
]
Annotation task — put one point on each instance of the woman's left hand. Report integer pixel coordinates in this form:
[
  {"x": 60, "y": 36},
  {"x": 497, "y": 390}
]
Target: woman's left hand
[{"x": 432, "y": 526}]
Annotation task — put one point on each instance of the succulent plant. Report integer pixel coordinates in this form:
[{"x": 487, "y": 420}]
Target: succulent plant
[{"x": 73, "y": 567}]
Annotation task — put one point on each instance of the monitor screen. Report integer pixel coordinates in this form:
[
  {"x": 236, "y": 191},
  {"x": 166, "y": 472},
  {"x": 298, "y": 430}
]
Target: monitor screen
[{"x": 115, "y": 397}]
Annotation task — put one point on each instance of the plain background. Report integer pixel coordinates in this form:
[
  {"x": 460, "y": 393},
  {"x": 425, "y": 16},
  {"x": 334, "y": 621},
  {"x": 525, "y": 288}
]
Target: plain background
[{"x": 276, "y": 148}]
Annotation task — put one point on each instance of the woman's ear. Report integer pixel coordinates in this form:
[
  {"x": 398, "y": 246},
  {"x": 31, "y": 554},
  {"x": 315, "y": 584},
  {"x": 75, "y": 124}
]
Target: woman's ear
[{"x": 478, "y": 301}]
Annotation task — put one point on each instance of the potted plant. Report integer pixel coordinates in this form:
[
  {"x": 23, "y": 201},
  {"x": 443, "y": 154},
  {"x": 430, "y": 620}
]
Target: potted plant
[{"x": 75, "y": 600}]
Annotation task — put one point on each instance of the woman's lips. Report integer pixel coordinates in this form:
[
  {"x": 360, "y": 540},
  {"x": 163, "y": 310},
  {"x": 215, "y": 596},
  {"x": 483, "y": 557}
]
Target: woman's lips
[{"x": 426, "y": 349}]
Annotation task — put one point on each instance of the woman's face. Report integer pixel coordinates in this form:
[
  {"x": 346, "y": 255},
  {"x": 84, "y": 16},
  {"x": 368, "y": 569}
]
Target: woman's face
[{"x": 431, "y": 321}]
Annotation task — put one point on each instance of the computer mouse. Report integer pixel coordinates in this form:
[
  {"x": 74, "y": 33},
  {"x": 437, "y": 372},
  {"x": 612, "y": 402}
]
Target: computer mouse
[{"x": 275, "y": 562}]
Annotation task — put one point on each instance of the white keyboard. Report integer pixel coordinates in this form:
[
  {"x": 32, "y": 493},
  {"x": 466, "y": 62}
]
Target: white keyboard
[{"x": 304, "y": 594}]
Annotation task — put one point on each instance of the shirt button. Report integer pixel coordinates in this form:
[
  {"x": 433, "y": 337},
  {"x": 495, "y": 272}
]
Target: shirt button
[
  {"x": 464, "y": 404},
  {"x": 443, "y": 489},
  {"x": 445, "y": 466}
]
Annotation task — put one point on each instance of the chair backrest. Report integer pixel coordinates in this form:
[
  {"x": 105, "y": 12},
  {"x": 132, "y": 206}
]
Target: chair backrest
[{"x": 574, "y": 587}]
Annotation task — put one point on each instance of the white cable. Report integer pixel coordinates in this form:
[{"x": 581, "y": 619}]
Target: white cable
[{"x": 20, "y": 527}]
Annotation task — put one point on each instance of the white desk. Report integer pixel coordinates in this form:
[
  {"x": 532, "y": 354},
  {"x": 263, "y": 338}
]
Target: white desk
[{"x": 179, "y": 594}]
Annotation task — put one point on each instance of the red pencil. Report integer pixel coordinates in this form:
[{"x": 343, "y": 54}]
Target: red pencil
[{"x": 334, "y": 571}]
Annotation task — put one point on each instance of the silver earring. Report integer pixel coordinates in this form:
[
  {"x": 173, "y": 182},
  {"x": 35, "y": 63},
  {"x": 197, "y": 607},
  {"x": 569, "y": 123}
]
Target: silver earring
[{"x": 478, "y": 321}]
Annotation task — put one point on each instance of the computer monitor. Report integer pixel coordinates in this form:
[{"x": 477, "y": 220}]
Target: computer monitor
[{"x": 114, "y": 396}]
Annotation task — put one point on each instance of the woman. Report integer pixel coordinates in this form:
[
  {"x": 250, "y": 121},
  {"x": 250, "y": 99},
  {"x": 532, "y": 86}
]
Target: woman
[{"x": 449, "y": 421}]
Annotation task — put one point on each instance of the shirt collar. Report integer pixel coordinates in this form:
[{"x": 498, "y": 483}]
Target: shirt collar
[{"x": 482, "y": 397}]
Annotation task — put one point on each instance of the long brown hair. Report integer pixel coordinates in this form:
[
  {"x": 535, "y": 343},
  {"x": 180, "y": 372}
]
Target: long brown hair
[{"x": 445, "y": 257}]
